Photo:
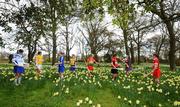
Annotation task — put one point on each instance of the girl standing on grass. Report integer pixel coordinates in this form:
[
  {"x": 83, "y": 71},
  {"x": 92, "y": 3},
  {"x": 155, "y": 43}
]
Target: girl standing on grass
[
  {"x": 18, "y": 62},
  {"x": 156, "y": 72},
  {"x": 128, "y": 67},
  {"x": 61, "y": 67},
  {"x": 115, "y": 65},
  {"x": 72, "y": 63},
  {"x": 38, "y": 62},
  {"x": 90, "y": 62}
]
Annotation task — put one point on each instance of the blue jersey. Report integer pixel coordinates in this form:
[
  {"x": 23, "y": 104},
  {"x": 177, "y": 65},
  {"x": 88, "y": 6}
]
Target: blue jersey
[{"x": 61, "y": 60}]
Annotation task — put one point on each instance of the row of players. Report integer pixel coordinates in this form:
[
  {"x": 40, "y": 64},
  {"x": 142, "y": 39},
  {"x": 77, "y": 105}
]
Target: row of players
[{"x": 19, "y": 65}]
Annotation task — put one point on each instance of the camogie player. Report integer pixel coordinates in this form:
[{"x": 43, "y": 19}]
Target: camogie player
[
  {"x": 72, "y": 63},
  {"x": 128, "y": 67},
  {"x": 19, "y": 63},
  {"x": 61, "y": 67},
  {"x": 156, "y": 72},
  {"x": 38, "y": 62},
  {"x": 90, "y": 62},
  {"x": 115, "y": 65}
]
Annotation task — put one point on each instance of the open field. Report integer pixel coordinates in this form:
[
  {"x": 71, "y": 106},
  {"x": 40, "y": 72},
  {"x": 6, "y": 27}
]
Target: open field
[{"x": 98, "y": 91}]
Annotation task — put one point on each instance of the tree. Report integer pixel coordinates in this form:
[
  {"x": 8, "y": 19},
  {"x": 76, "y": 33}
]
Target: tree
[
  {"x": 167, "y": 11},
  {"x": 1, "y": 42},
  {"x": 47, "y": 46},
  {"x": 132, "y": 51},
  {"x": 51, "y": 14},
  {"x": 123, "y": 13},
  {"x": 112, "y": 43},
  {"x": 82, "y": 48},
  {"x": 57, "y": 10},
  {"x": 95, "y": 34},
  {"x": 160, "y": 40},
  {"x": 177, "y": 33},
  {"x": 69, "y": 39},
  {"x": 139, "y": 28},
  {"x": 28, "y": 19},
  {"x": 92, "y": 9},
  {"x": 157, "y": 41},
  {"x": 67, "y": 20}
]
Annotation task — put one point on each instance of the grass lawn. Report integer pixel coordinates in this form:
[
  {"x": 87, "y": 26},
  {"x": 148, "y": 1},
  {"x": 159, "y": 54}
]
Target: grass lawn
[{"x": 83, "y": 91}]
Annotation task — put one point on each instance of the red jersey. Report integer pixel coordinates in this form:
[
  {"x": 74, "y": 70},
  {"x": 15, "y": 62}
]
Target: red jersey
[
  {"x": 90, "y": 62},
  {"x": 114, "y": 61},
  {"x": 156, "y": 61},
  {"x": 157, "y": 72}
]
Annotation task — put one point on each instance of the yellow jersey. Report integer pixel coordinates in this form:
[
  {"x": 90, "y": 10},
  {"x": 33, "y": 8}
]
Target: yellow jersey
[
  {"x": 72, "y": 61},
  {"x": 39, "y": 59}
]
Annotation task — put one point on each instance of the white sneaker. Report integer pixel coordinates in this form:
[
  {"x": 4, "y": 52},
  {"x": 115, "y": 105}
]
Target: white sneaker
[{"x": 16, "y": 84}]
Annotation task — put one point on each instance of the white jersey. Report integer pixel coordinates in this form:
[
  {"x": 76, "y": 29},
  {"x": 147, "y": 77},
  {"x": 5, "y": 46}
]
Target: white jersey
[{"x": 18, "y": 60}]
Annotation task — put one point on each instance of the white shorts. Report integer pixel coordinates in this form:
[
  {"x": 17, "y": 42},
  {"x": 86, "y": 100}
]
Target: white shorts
[{"x": 38, "y": 66}]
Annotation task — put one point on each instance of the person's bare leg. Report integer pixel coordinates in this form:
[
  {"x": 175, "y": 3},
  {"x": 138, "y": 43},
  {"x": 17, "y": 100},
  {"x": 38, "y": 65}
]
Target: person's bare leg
[
  {"x": 16, "y": 79},
  {"x": 62, "y": 75},
  {"x": 37, "y": 75},
  {"x": 59, "y": 75},
  {"x": 38, "y": 72},
  {"x": 114, "y": 76},
  {"x": 19, "y": 79},
  {"x": 157, "y": 80},
  {"x": 127, "y": 73}
]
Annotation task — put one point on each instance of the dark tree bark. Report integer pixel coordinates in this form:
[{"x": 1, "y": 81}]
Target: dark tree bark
[
  {"x": 139, "y": 48},
  {"x": 10, "y": 58},
  {"x": 31, "y": 53},
  {"x": 160, "y": 45},
  {"x": 67, "y": 44},
  {"x": 172, "y": 51},
  {"x": 54, "y": 27},
  {"x": 132, "y": 53},
  {"x": 168, "y": 14},
  {"x": 125, "y": 34},
  {"x": 54, "y": 49}
]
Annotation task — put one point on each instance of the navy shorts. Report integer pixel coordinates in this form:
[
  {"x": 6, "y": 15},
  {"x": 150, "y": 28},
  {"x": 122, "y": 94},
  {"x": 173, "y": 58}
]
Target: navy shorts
[
  {"x": 61, "y": 69},
  {"x": 72, "y": 68},
  {"x": 18, "y": 69}
]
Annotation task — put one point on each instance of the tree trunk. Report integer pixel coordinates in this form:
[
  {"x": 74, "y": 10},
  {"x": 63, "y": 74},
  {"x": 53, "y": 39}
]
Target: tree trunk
[
  {"x": 54, "y": 49},
  {"x": 172, "y": 42},
  {"x": 138, "y": 48},
  {"x": 161, "y": 44},
  {"x": 31, "y": 53},
  {"x": 49, "y": 56},
  {"x": 93, "y": 51},
  {"x": 54, "y": 27},
  {"x": 132, "y": 53},
  {"x": 67, "y": 44},
  {"x": 139, "y": 57},
  {"x": 67, "y": 53},
  {"x": 30, "y": 57},
  {"x": 125, "y": 34},
  {"x": 159, "y": 49}
]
